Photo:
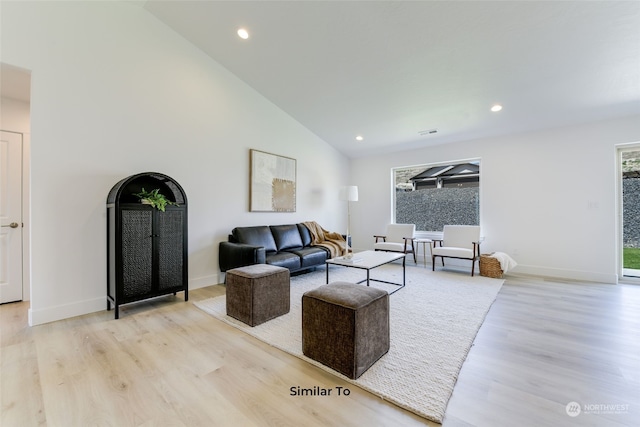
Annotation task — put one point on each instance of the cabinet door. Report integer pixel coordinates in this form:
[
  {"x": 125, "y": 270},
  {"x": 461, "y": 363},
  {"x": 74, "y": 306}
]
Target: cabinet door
[
  {"x": 169, "y": 242},
  {"x": 137, "y": 250}
]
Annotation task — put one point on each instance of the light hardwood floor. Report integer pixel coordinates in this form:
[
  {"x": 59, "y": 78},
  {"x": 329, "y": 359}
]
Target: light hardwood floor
[{"x": 543, "y": 345}]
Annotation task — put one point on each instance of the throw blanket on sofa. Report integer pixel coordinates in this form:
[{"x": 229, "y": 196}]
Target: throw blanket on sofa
[{"x": 333, "y": 241}]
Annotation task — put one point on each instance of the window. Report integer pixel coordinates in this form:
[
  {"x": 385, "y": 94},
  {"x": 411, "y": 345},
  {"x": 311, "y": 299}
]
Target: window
[
  {"x": 630, "y": 162},
  {"x": 434, "y": 195}
]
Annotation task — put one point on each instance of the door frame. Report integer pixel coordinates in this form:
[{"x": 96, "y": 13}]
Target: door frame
[
  {"x": 26, "y": 216},
  {"x": 619, "y": 149}
]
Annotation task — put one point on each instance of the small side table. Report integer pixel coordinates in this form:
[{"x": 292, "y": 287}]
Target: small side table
[{"x": 424, "y": 243}]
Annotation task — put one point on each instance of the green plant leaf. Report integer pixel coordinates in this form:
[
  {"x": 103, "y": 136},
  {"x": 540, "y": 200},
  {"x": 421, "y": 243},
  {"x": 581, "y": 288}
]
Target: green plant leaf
[{"x": 155, "y": 198}]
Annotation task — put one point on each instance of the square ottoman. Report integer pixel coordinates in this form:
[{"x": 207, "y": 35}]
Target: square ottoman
[
  {"x": 345, "y": 326},
  {"x": 257, "y": 293}
]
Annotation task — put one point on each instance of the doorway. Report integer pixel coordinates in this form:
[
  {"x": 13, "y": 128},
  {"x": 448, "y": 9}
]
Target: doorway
[
  {"x": 15, "y": 128},
  {"x": 629, "y": 195},
  {"x": 11, "y": 238}
]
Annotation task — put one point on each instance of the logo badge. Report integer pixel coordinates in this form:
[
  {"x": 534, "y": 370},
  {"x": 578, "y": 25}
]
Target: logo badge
[{"x": 573, "y": 409}]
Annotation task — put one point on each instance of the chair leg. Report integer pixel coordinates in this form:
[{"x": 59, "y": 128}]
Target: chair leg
[
  {"x": 473, "y": 266},
  {"x": 433, "y": 263}
]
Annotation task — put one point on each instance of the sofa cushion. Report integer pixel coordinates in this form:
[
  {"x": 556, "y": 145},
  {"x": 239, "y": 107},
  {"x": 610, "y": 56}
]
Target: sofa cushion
[
  {"x": 311, "y": 256},
  {"x": 284, "y": 259},
  {"x": 258, "y": 236},
  {"x": 305, "y": 235},
  {"x": 453, "y": 252},
  {"x": 286, "y": 236}
]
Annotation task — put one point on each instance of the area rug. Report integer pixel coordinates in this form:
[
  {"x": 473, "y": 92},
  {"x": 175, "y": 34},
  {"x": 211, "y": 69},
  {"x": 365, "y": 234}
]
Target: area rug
[{"x": 433, "y": 322}]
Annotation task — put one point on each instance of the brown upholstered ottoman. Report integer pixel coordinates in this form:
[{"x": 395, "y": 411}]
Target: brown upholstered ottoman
[
  {"x": 345, "y": 326},
  {"x": 258, "y": 293}
]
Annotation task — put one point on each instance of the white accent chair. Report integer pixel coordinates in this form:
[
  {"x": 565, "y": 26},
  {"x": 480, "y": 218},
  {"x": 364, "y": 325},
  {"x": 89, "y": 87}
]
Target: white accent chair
[
  {"x": 458, "y": 241},
  {"x": 399, "y": 238}
]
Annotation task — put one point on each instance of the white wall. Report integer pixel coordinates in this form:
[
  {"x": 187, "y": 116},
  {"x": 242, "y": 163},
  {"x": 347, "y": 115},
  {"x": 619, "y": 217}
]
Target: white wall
[
  {"x": 547, "y": 198},
  {"x": 115, "y": 92},
  {"x": 14, "y": 115}
]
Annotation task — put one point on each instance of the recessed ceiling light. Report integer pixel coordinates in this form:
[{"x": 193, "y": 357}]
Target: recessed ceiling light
[
  {"x": 496, "y": 108},
  {"x": 359, "y": 138},
  {"x": 243, "y": 34}
]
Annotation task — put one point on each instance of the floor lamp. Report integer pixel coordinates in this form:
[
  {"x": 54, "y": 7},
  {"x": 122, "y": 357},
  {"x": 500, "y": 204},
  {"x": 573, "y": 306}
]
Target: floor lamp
[{"x": 348, "y": 194}]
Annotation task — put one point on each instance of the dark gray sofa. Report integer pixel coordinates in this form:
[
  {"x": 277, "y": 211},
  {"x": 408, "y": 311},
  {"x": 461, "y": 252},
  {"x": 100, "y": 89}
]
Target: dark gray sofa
[{"x": 286, "y": 246}]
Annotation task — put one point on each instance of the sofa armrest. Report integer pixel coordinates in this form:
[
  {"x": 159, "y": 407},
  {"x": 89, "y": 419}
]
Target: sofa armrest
[{"x": 234, "y": 255}]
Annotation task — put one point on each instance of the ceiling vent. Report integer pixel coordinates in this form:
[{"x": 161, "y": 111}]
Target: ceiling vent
[{"x": 428, "y": 132}]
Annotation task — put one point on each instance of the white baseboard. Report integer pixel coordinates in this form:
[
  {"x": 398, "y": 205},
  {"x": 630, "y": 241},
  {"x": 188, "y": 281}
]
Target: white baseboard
[
  {"x": 65, "y": 311},
  {"x": 587, "y": 276},
  {"x": 79, "y": 308},
  {"x": 202, "y": 282}
]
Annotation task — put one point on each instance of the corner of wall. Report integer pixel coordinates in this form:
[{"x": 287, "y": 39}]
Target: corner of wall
[{"x": 60, "y": 312}]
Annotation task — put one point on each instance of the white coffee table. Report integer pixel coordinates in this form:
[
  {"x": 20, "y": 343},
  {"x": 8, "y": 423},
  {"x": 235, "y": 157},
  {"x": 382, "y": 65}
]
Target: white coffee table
[{"x": 368, "y": 260}]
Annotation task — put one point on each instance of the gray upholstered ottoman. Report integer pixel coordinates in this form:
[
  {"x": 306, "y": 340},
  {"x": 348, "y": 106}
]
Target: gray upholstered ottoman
[
  {"x": 258, "y": 293},
  {"x": 345, "y": 326}
]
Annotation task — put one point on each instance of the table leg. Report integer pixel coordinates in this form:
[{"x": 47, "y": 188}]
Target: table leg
[{"x": 404, "y": 271}]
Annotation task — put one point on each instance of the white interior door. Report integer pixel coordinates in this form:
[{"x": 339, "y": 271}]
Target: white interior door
[{"x": 10, "y": 217}]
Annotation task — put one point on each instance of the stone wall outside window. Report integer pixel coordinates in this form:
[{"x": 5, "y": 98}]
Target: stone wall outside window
[
  {"x": 432, "y": 209},
  {"x": 631, "y": 212}
]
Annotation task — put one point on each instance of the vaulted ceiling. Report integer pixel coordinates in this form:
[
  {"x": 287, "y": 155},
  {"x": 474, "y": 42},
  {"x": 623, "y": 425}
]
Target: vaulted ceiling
[
  {"x": 390, "y": 70},
  {"x": 408, "y": 74}
]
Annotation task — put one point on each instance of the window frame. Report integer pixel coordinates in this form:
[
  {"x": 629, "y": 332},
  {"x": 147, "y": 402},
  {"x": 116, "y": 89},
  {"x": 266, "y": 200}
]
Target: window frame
[{"x": 425, "y": 166}]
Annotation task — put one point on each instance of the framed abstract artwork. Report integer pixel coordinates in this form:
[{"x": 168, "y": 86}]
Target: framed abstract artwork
[{"x": 273, "y": 183}]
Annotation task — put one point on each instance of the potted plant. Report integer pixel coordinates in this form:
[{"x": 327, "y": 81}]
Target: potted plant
[{"x": 154, "y": 198}]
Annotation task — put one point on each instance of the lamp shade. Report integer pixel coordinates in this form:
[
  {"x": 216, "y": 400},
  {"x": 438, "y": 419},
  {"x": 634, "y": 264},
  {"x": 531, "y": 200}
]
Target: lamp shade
[{"x": 349, "y": 193}]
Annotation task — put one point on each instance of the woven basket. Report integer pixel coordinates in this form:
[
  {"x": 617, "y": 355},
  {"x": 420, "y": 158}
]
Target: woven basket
[{"x": 490, "y": 267}]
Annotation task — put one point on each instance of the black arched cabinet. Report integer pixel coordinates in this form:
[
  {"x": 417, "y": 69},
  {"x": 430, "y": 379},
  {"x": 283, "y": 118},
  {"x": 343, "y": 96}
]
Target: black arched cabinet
[{"x": 146, "y": 248}]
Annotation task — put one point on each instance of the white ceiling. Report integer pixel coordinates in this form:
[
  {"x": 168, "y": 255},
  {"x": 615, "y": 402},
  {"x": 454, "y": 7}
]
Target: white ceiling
[
  {"x": 15, "y": 83},
  {"x": 390, "y": 69}
]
